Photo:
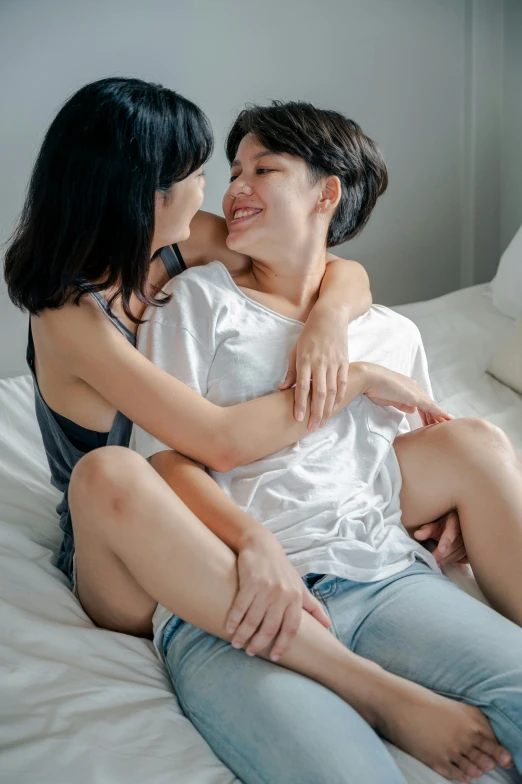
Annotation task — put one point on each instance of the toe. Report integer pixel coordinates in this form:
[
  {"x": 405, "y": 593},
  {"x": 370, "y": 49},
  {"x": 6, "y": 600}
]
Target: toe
[
  {"x": 498, "y": 753},
  {"x": 469, "y": 768},
  {"x": 482, "y": 760}
]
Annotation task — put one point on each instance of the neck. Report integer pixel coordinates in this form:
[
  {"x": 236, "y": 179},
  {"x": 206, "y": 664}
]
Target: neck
[{"x": 294, "y": 276}]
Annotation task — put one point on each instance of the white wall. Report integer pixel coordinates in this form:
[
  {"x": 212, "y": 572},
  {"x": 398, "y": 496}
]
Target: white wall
[{"x": 403, "y": 69}]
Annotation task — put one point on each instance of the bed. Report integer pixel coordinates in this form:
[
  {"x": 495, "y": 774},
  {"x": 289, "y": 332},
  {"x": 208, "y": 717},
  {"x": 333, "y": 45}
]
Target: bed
[{"x": 82, "y": 704}]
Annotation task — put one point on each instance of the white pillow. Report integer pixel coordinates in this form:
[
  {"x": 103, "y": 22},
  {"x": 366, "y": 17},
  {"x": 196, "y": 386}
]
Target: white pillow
[
  {"x": 506, "y": 365},
  {"x": 507, "y": 283}
]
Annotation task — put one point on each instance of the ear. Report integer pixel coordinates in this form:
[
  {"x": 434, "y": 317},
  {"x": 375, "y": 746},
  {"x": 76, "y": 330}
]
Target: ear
[{"x": 330, "y": 195}]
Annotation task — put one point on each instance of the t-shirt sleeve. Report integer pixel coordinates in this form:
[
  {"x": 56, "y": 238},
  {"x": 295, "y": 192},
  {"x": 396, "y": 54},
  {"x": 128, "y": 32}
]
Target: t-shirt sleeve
[
  {"x": 173, "y": 346},
  {"x": 418, "y": 372}
]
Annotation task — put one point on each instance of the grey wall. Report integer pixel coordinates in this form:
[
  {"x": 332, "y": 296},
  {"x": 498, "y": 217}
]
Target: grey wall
[
  {"x": 511, "y": 146},
  {"x": 408, "y": 71}
]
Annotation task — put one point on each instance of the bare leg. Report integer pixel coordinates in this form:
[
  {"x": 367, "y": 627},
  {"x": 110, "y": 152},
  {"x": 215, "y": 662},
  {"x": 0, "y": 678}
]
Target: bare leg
[
  {"x": 124, "y": 511},
  {"x": 471, "y": 466}
]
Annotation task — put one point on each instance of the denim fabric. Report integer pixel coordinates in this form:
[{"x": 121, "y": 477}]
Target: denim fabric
[{"x": 268, "y": 724}]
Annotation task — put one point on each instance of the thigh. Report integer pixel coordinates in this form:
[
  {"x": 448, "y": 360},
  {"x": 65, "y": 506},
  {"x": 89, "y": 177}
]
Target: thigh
[
  {"x": 107, "y": 591},
  {"x": 269, "y": 724},
  {"x": 423, "y": 627}
]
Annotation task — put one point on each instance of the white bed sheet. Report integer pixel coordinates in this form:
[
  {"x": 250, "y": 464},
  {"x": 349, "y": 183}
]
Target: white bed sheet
[
  {"x": 461, "y": 332},
  {"x": 82, "y": 704}
]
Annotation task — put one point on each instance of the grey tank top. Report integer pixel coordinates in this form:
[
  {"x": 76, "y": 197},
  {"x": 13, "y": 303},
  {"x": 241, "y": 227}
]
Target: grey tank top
[{"x": 62, "y": 455}]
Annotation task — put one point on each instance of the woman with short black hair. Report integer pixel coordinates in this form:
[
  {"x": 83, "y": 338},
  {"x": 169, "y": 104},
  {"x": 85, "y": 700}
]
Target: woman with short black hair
[{"x": 343, "y": 503}]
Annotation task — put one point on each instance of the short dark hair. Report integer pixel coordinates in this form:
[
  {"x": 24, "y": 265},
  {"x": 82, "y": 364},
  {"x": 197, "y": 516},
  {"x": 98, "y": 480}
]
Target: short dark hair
[
  {"x": 330, "y": 144},
  {"x": 89, "y": 211}
]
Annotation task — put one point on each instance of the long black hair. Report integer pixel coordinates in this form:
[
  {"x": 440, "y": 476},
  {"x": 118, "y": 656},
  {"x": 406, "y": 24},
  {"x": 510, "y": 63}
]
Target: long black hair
[
  {"x": 329, "y": 143},
  {"x": 89, "y": 210}
]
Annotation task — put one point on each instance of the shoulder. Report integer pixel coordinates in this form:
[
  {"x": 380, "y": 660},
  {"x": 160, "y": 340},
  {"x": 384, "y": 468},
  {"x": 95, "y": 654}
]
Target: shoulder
[
  {"x": 68, "y": 326},
  {"x": 195, "y": 293},
  {"x": 386, "y": 338},
  {"x": 207, "y": 280},
  {"x": 399, "y": 327}
]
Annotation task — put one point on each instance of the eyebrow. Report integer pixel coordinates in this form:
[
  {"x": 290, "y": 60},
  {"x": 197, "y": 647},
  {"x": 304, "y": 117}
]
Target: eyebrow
[{"x": 255, "y": 157}]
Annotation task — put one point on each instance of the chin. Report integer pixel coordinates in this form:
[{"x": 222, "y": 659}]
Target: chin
[
  {"x": 234, "y": 242},
  {"x": 242, "y": 242},
  {"x": 182, "y": 236}
]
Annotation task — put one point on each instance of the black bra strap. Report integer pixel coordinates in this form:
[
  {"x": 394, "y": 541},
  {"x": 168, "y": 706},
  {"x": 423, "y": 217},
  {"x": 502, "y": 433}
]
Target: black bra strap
[{"x": 173, "y": 260}]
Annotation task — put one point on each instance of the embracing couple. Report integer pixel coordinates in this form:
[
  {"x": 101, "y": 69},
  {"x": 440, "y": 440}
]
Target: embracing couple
[{"x": 279, "y": 566}]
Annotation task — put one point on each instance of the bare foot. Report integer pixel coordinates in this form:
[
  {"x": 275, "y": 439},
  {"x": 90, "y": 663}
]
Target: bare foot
[{"x": 454, "y": 739}]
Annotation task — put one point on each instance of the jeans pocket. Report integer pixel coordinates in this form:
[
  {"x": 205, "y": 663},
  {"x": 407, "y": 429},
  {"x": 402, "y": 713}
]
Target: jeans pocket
[{"x": 325, "y": 587}]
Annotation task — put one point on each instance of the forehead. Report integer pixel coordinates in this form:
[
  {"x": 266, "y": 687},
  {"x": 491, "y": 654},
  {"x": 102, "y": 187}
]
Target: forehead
[{"x": 250, "y": 150}]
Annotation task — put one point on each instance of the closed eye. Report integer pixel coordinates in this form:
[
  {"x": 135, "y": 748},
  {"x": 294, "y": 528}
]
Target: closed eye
[{"x": 258, "y": 171}]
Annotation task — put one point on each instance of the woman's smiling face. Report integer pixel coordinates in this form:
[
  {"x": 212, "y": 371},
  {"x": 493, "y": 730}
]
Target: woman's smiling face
[{"x": 270, "y": 201}]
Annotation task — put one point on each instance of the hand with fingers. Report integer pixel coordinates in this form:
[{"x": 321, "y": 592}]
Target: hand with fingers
[
  {"x": 271, "y": 596},
  {"x": 387, "y": 388},
  {"x": 318, "y": 365},
  {"x": 447, "y": 533}
]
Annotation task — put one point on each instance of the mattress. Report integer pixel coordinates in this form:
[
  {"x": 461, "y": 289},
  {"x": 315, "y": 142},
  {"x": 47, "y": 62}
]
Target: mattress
[
  {"x": 82, "y": 704},
  {"x": 461, "y": 332}
]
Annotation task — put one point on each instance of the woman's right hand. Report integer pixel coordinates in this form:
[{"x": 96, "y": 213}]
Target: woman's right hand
[
  {"x": 387, "y": 388},
  {"x": 270, "y": 599}
]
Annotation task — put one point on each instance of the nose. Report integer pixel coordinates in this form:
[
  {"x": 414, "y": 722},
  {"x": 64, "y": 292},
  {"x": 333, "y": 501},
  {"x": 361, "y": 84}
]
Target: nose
[{"x": 239, "y": 186}]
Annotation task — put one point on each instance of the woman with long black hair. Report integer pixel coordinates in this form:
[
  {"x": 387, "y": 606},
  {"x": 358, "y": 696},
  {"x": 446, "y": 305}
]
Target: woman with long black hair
[{"x": 117, "y": 184}]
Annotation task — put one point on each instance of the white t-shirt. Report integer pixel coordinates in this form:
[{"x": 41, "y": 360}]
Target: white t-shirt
[{"x": 331, "y": 499}]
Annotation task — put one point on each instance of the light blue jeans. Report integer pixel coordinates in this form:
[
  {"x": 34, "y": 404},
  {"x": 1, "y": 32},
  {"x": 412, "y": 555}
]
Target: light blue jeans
[{"x": 273, "y": 726}]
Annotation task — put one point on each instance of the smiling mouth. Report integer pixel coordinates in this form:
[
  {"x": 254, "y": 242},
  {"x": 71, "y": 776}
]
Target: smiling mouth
[{"x": 241, "y": 216}]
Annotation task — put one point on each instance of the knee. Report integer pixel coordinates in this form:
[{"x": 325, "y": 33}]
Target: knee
[
  {"x": 475, "y": 438},
  {"x": 106, "y": 475}
]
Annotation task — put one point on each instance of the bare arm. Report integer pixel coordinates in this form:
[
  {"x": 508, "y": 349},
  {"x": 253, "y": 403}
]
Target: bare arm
[
  {"x": 345, "y": 288},
  {"x": 271, "y": 593},
  {"x": 319, "y": 362},
  {"x": 220, "y": 437},
  {"x": 206, "y": 499},
  {"x": 320, "y": 359}
]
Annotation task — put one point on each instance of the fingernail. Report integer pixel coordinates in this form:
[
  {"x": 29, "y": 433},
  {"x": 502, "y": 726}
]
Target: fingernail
[
  {"x": 250, "y": 653},
  {"x": 314, "y": 427},
  {"x": 323, "y": 422},
  {"x": 443, "y": 548},
  {"x": 275, "y": 657},
  {"x": 236, "y": 645},
  {"x": 505, "y": 758},
  {"x": 300, "y": 416}
]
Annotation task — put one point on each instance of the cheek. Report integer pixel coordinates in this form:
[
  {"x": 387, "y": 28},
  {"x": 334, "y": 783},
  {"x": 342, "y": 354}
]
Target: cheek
[
  {"x": 286, "y": 207},
  {"x": 188, "y": 203}
]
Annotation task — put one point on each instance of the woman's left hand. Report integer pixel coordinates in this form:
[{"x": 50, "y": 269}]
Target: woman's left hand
[
  {"x": 447, "y": 533},
  {"x": 318, "y": 365}
]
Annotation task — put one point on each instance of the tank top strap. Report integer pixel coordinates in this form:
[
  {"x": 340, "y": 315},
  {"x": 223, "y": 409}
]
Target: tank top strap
[
  {"x": 173, "y": 260},
  {"x": 174, "y": 265},
  {"x": 104, "y": 307}
]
